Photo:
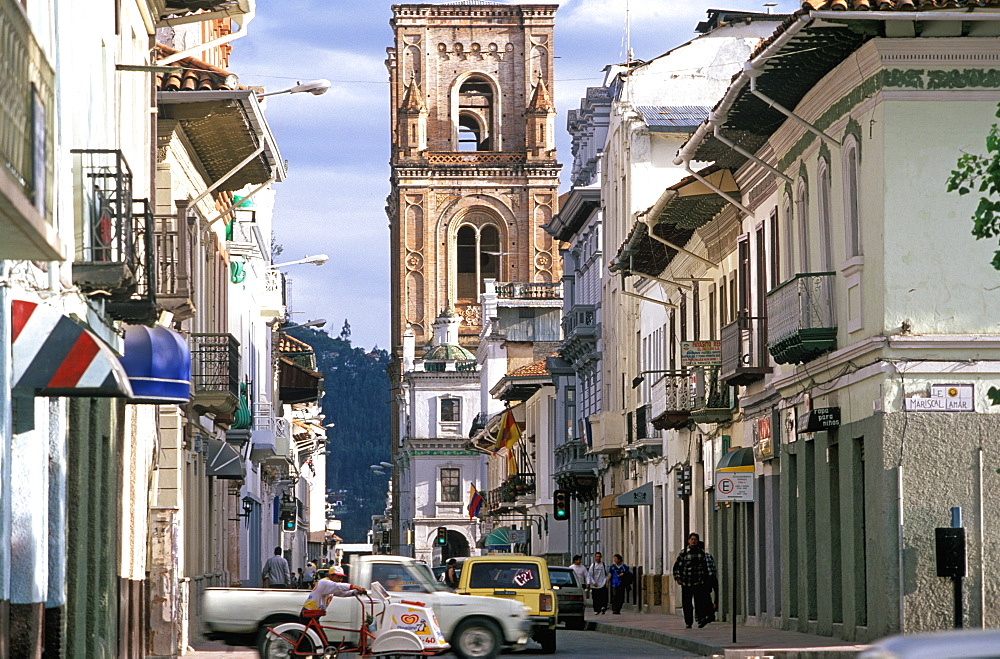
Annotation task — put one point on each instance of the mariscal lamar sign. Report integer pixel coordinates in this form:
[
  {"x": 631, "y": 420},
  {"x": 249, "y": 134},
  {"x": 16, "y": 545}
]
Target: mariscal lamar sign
[{"x": 944, "y": 398}]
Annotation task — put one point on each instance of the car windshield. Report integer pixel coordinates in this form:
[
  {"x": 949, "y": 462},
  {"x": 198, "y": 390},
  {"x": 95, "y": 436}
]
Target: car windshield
[
  {"x": 428, "y": 577},
  {"x": 562, "y": 578},
  {"x": 402, "y": 577},
  {"x": 511, "y": 575}
]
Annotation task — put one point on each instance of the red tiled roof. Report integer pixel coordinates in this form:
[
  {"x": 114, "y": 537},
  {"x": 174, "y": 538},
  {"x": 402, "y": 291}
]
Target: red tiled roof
[
  {"x": 196, "y": 76},
  {"x": 532, "y": 369}
]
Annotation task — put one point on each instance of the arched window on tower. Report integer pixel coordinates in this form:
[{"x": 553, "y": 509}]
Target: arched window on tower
[
  {"x": 477, "y": 257},
  {"x": 475, "y": 115}
]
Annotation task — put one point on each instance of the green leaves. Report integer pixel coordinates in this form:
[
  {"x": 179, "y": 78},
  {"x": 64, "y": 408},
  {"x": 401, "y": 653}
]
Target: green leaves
[{"x": 982, "y": 174}]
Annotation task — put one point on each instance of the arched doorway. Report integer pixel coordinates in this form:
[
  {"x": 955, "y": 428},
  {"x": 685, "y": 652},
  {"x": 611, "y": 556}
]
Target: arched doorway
[{"x": 457, "y": 547}]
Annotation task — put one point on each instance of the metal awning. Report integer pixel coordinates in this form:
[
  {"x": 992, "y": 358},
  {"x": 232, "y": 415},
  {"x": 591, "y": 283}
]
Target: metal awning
[
  {"x": 224, "y": 461},
  {"x": 683, "y": 208},
  {"x": 225, "y": 127},
  {"x": 158, "y": 363},
  {"x": 740, "y": 459},
  {"x": 54, "y": 355},
  {"x": 640, "y": 496}
]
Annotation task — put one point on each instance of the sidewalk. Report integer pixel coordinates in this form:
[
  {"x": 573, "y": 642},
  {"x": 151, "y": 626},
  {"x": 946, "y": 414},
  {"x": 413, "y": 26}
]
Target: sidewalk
[{"x": 717, "y": 637}]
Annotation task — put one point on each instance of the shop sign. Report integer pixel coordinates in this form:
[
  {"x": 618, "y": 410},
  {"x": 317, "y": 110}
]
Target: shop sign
[
  {"x": 819, "y": 419},
  {"x": 701, "y": 353}
]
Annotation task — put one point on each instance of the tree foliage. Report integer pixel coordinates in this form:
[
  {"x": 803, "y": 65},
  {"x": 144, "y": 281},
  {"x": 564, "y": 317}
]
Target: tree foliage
[
  {"x": 976, "y": 174},
  {"x": 357, "y": 402}
]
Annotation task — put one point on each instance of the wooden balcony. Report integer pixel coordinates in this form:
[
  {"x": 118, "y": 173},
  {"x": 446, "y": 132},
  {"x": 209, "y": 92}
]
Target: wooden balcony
[
  {"x": 800, "y": 319},
  {"x": 672, "y": 401}
]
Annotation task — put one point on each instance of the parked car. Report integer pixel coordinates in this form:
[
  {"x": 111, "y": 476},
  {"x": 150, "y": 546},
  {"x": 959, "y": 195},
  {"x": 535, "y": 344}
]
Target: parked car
[
  {"x": 521, "y": 578},
  {"x": 476, "y": 627},
  {"x": 952, "y": 644},
  {"x": 570, "y": 596}
]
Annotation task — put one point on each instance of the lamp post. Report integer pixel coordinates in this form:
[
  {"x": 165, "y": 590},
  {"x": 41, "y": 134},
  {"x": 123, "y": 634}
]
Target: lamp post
[
  {"x": 312, "y": 323},
  {"x": 314, "y": 87},
  {"x": 317, "y": 259}
]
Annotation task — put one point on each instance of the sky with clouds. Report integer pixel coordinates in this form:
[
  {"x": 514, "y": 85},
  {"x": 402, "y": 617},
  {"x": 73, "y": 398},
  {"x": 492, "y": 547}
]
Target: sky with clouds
[{"x": 337, "y": 145}]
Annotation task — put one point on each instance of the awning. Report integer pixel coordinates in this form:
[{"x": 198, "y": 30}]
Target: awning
[
  {"x": 683, "y": 208},
  {"x": 498, "y": 537},
  {"x": 158, "y": 363},
  {"x": 53, "y": 355},
  {"x": 224, "y": 461},
  {"x": 740, "y": 459},
  {"x": 611, "y": 509},
  {"x": 640, "y": 496}
]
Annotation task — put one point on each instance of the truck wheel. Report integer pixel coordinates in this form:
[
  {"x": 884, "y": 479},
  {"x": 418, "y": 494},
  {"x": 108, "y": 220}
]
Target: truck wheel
[
  {"x": 476, "y": 639},
  {"x": 547, "y": 639},
  {"x": 287, "y": 640}
]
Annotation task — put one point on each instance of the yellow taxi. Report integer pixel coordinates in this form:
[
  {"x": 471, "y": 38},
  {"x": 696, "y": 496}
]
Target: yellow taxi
[{"x": 521, "y": 578}]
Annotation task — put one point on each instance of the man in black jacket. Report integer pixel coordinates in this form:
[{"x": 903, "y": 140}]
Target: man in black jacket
[{"x": 694, "y": 571}]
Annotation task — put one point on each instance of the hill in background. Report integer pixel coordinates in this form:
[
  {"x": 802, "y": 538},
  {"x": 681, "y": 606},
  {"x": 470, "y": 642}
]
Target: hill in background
[{"x": 357, "y": 402}]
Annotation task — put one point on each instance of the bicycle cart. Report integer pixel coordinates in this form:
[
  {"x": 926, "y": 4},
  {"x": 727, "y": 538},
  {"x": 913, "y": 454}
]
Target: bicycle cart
[{"x": 388, "y": 628}]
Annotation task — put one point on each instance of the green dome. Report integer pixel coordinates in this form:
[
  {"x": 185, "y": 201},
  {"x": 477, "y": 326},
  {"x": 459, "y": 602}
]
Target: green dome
[{"x": 448, "y": 352}]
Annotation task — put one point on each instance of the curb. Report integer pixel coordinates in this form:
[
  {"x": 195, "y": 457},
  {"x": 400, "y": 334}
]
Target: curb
[{"x": 662, "y": 638}]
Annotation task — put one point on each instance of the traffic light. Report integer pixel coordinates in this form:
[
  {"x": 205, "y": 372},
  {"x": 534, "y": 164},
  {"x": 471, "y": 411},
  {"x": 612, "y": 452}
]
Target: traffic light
[
  {"x": 288, "y": 520},
  {"x": 442, "y": 537},
  {"x": 385, "y": 538},
  {"x": 560, "y": 500}
]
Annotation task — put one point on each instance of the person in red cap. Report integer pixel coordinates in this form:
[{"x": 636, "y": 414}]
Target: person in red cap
[{"x": 326, "y": 589}]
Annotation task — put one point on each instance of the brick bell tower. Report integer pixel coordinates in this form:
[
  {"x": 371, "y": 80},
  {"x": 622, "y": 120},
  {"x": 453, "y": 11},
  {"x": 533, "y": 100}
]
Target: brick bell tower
[{"x": 474, "y": 171}]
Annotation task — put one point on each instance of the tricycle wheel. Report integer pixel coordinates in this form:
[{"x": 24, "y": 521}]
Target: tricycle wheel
[
  {"x": 476, "y": 639},
  {"x": 287, "y": 641}
]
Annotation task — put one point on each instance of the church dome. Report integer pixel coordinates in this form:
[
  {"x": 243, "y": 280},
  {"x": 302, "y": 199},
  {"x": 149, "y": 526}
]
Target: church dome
[{"x": 448, "y": 352}]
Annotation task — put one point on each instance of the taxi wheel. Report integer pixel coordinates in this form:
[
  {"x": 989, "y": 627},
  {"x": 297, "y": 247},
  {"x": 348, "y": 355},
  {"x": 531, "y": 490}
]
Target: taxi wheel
[
  {"x": 547, "y": 639},
  {"x": 476, "y": 639}
]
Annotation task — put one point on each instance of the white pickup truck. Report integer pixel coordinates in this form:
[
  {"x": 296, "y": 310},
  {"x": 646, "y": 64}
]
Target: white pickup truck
[{"x": 476, "y": 627}]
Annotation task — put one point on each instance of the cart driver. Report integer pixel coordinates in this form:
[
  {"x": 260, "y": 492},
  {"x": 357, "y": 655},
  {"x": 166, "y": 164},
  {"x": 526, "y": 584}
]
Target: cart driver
[{"x": 333, "y": 585}]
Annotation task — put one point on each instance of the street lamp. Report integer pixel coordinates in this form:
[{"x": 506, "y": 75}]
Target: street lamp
[
  {"x": 312, "y": 323},
  {"x": 314, "y": 87},
  {"x": 318, "y": 259}
]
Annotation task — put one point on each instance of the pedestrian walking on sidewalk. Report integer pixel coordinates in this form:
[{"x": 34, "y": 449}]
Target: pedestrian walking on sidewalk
[
  {"x": 276, "y": 573},
  {"x": 618, "y": 579},
  {"x": 580, "y": 571},
  {"x": 597, "y": 575},
  {"x": 694, "y": 571}
]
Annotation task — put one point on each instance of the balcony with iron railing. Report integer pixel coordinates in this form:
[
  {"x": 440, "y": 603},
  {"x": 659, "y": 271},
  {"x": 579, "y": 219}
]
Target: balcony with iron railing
[
  {"x": 800, "y": 318},
  {"x": 215, "y": 372},
  {"x": 744, "y": 350},
  {"x": 671, "y": 400},
  {"x": 712, "y": 397},
  {"x": 27, "y": 141},
  {"x": 115, "y": 249},
  {"x": 176, "y": 240},
  {"x": 695, "y": 395},
  {"x": 644, "y": 435},
  {"x": 529, "y": 291}
]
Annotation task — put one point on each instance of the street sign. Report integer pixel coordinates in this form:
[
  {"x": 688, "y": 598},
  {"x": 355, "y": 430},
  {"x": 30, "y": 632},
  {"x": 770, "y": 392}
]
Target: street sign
[
  {"x": 734, "y": 486},
  {"x": 518, "y": 535}
]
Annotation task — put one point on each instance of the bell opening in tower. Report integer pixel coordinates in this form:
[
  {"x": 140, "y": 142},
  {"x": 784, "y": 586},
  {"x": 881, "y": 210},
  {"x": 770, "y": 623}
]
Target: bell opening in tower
[
  {"x": 477, "y": 258},
  {"x": 475, "y": 115}
]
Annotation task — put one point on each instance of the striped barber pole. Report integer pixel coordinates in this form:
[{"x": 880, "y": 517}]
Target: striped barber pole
[{"x": 53, "y": 355}]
